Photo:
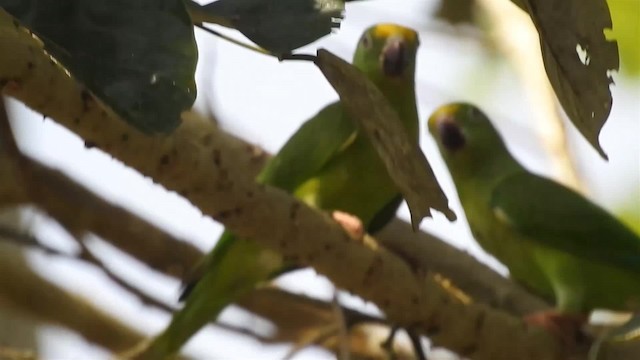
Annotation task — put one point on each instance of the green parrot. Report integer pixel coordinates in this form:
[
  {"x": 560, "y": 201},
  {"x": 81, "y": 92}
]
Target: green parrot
[
  {"x": 329, "y": 164},
  {"x": 553, "y": 240}
]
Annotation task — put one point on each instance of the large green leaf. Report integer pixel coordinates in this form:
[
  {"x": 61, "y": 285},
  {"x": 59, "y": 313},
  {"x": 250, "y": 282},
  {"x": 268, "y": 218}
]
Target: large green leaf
[
  {"x": 276, "y": 25},
  {"x": 138, "y": 56},
  {"x": 581, "y": 81}
]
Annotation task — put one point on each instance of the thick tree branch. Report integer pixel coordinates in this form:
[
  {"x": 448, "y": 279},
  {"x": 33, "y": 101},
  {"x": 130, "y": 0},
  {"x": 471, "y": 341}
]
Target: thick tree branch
[
  {"x": 63, "y": 199},
  {"x": 426, "y": 252},
  {"x": 423, "y": 251},
  {"x": 204, "y": 166}
]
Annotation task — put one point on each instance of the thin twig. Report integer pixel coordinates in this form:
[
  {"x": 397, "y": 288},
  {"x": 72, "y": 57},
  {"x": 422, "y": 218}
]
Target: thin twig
[
  {"x": 87, "y": 255},
  {"x": 343, "y": 330},
  {"x": 19, "y": 238},
  {"x": 257, "y": 49},
  {"x": 298, "y": 57},
  {"x": 7, "y": 139},
  {"x": 387, "y": 345},
  {"x": 417, "y": 345}
]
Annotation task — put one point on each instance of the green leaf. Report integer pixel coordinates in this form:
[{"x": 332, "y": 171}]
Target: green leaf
[
  {"x": 139, "y": 56},
  {"x": 279, "y": 26},
  {"x": 406, "y": 164},
  {"x": 582, "y": 86}
]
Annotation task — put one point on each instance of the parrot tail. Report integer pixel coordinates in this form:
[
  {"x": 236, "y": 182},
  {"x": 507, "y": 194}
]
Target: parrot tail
[{"x": 232, "y": 269}]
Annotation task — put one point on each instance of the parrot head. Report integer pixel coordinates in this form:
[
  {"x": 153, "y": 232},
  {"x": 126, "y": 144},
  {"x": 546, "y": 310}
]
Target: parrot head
[
  {"x": 387, "y": 53},
  {"x": 467, "y": 140}
]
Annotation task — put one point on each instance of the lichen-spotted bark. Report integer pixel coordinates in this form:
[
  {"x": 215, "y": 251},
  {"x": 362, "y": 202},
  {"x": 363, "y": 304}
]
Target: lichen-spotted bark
[{"x": 208, "y": 168}]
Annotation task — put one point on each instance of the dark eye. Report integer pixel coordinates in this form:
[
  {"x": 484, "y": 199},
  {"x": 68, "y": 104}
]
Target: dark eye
[
  {"x": 451, "y": 136},
  {"x": 366, "y": 41}
]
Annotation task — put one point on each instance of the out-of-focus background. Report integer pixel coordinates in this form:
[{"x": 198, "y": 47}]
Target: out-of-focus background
[{"x": 264, "y": 101}]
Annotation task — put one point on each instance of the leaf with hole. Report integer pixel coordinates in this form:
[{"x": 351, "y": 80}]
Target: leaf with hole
[{"x": 578, "y": 59}]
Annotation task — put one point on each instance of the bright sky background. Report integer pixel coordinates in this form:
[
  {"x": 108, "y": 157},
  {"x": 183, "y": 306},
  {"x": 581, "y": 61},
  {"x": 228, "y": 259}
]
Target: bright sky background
[{"x": 265, "y": 101}]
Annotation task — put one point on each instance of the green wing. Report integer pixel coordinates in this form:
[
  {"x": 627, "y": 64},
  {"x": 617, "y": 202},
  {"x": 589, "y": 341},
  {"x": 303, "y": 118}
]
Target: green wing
[
  {"x": 316, "y": 142},
  {"x": 313, "y": 145},
  {"x": 558, "y": 217}
]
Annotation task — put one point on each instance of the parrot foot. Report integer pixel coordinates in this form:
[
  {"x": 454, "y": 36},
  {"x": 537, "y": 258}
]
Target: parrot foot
[
  {"x": 350, "y": 223},
  {"x": 565, "y": 327}
]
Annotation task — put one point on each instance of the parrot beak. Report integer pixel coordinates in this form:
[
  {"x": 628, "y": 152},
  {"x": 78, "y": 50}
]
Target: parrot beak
[
  {"x": 446, "y": 130},
  {"x": 394, "y": 57}
]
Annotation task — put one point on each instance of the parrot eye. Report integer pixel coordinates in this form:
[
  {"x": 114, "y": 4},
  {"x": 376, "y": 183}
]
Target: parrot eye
[
  {"x": 451, "y": 136},
  {"x": 366, "y": 41}
]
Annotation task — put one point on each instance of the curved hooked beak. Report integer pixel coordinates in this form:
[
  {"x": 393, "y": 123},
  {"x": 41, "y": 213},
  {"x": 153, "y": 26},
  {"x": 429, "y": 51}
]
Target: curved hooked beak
[{"x": 394, "y": 57}]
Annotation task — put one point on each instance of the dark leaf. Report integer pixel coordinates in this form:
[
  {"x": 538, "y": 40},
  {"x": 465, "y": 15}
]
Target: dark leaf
[
  {"x": 276, "y": 25},
  {"x": 578, "y": 59},
  {"x": 139, "y": 56},
  {"x": 407, "y": 165}
]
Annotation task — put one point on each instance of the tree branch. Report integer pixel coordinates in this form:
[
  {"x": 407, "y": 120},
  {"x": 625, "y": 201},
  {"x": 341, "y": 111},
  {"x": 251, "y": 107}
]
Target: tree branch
[
  {"x": 20, "y": 287},
  {"x": 171, "y": 256},
  {"x": 428, "y": 253},
  {"x": 203, "y": 165}
]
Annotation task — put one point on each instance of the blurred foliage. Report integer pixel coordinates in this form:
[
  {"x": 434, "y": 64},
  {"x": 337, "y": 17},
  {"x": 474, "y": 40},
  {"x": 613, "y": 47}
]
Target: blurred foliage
[
  {"x": 629, "y": 213},
  {"x": 115, "y": 49},
  {"x": 456, "y": 11},
  {"x": 626, "y": 30}
]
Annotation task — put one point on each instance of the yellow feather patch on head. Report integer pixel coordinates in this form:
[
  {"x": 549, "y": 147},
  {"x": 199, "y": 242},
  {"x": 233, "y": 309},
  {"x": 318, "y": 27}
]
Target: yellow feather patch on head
[
  {"x": 387, "y": 30},
  {"x": 449, "y": 109},
  {"x": 443, "y": 111}
]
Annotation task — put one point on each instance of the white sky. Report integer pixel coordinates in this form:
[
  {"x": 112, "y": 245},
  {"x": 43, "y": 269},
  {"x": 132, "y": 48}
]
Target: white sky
[{"x": 281, "y": 96}]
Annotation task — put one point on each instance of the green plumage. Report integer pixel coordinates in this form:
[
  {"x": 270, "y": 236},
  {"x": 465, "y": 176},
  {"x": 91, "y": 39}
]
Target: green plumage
[
  {"x": 553, "y": 240},
  {"x": 328, "y": 164}
]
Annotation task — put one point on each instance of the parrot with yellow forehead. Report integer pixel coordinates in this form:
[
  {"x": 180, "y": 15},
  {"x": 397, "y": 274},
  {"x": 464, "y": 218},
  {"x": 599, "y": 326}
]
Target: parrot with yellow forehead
[
  {"x": 329, "y": 164},
  {"x": 553, "y": 240}
]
